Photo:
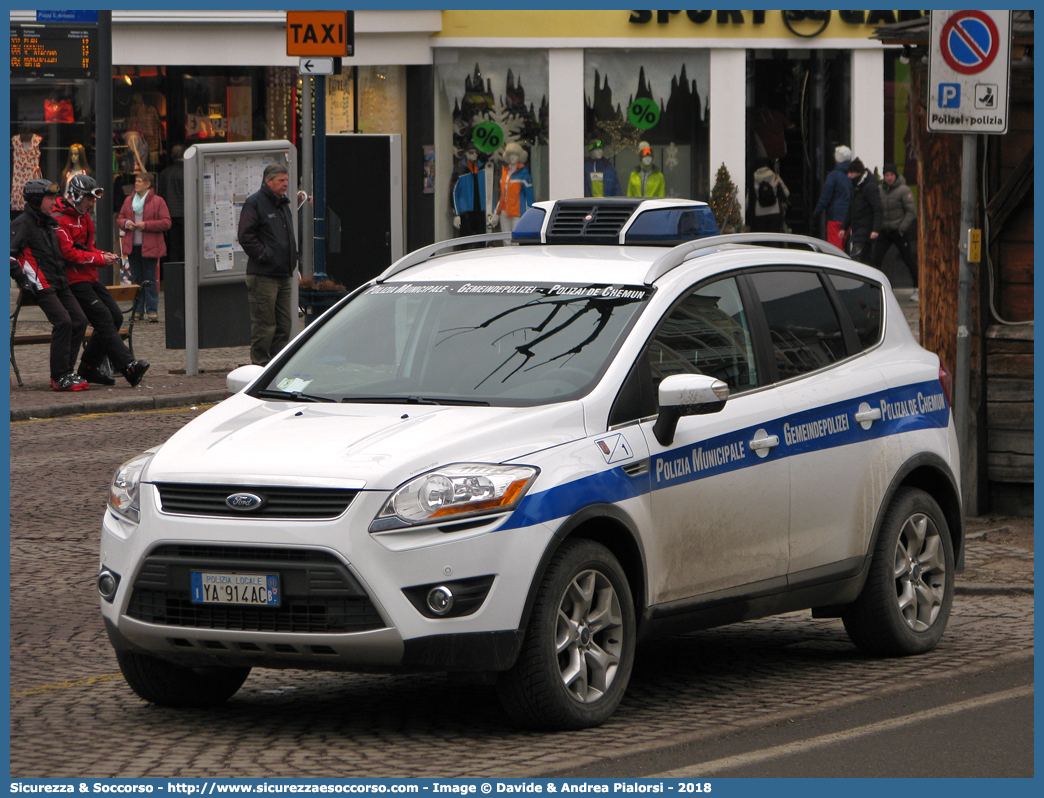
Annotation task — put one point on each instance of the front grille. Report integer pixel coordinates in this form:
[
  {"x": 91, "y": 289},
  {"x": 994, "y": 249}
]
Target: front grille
[
  {"x": 196, "y": 551},
  {"x": 594, "y": 222},
  {"x": 303, "y": 616},
  {"x": 319, "y": 594},
  {"x": 309, "y": 503}
]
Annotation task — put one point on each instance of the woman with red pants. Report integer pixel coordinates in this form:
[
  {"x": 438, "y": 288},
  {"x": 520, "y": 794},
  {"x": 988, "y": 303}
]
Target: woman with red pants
[{"x": 143, "y": 219}]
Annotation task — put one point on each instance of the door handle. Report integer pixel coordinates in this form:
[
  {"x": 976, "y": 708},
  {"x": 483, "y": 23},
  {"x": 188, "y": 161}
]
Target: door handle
[
  {"x": 768, "y": 442},
  {"x": 865, "y": 416}
]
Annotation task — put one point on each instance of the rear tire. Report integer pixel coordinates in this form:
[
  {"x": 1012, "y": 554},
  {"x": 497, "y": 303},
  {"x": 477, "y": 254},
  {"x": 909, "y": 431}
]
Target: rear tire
[
  {"x": 578, "y": 649},
  {"x": 169, "y": 685},
  {"x": 905, "y": 603}
]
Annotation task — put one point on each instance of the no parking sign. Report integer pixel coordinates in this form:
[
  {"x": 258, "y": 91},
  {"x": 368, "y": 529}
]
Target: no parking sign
[{"x": 968, "y": 70}]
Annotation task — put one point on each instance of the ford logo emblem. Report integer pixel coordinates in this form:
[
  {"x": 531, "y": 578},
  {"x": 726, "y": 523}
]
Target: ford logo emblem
[{"x": 244, "y": 501}]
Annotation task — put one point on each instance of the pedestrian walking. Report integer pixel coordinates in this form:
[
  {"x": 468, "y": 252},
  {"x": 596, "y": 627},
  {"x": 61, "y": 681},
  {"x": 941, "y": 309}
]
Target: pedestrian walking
[
  {"x": 863, "y": 223},
  {"x": 837, "y": 189},
  {"x": 82, "y": 259},
  {"x": 898, "y": 216},
  {"x": 37, "y": 266},
  {"x": 144, "y": 219},
  {"x": 266, "y": 233},
  {"x": 770, "y": 195}
]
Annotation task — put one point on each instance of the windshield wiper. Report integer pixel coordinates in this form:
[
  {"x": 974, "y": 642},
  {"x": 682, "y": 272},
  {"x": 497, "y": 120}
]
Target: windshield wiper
[
  {"x": 295, "y": 396},
  {"x": 411, "y": 400}
]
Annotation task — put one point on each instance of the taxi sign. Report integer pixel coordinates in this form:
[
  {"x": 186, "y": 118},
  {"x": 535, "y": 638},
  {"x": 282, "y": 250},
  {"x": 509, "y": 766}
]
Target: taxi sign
[
  {"x": 320, "y": 33},
  {"x": 968, "y": 71}
]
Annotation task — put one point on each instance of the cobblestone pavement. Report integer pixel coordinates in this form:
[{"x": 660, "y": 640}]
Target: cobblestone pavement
[{"x": 72, "y": 714}]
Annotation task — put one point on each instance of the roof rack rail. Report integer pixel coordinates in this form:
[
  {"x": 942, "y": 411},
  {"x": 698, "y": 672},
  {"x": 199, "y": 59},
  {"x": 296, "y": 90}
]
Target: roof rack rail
[
  {"x": 676, "y": 256},
  {"x": 430, "y": 251}
]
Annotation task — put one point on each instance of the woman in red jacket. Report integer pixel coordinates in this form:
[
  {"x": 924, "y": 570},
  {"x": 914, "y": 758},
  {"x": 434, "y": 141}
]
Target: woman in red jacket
[{"x": 142, "y": 221}]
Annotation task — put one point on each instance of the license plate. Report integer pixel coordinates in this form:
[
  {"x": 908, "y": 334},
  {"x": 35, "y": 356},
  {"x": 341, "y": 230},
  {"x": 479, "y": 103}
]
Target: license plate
[{"x": 258, "y": 590}]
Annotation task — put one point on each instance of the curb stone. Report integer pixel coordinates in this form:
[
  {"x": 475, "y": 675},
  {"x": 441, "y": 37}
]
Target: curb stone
[{"x": 118, "y": 405}]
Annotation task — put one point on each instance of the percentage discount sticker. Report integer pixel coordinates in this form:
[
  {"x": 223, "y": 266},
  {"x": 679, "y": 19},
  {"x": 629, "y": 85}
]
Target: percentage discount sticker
[
  {"x": 644, "y": 113},
  {"x": 487, "y": 136}
]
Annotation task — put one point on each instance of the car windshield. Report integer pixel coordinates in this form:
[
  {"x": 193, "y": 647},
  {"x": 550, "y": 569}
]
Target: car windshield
[{"x": 461, "y": 343}]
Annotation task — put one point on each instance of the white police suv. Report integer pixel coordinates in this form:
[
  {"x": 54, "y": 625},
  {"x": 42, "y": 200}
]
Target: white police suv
[{"x": 519, "y": 461}]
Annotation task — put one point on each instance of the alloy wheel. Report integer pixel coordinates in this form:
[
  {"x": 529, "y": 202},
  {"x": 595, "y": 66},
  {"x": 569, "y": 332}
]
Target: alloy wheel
[
  {"x": 589, "y": 636},
  {"x": 920, "y": 572}
]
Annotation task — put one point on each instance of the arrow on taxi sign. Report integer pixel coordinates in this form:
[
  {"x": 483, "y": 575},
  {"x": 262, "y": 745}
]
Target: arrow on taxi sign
[{"x": 315, "y": 66}]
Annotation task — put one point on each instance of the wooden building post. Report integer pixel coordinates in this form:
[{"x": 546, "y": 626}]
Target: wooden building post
[{"x": 939, "y": 257}]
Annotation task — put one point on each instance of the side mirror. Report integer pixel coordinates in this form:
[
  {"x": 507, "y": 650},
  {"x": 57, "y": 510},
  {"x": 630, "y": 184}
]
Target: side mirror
[
  {"x": 687, "y": 395},
  {"x": 240, "y": 378}
]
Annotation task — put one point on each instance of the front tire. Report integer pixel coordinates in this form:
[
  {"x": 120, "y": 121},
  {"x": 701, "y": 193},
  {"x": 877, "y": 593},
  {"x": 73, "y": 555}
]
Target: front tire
[
  {"x": 578, "y": 649},
  {"x": 169, "y": 685},
  {"x": 905, "y": 603}
]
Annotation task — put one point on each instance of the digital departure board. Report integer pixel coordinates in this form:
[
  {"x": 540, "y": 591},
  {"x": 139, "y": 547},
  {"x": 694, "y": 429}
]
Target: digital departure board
[{"x": 54, "y": 51}]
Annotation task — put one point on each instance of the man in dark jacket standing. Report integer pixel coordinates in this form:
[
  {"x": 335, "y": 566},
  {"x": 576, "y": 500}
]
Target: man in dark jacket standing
[
  {"x": 37, "y": 265},
  {"x": 899, "y": 215},
  {"x": 266, "y": 233},
  {"x": 864, "y": 213}
]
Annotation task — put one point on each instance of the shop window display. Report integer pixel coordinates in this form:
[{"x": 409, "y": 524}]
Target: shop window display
[
  {"x": 218, "y": 108},
  {"x": 48, "y": 119},
  {"x": 642, "y": 104},
  {"x": 494, "y": 101},
  {"x": 76, "y": 164}
]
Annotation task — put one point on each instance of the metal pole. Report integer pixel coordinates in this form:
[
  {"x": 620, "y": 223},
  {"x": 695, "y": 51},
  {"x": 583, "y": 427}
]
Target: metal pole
[
  {"x": 307, "y": 232},
  {"x": 193, "y": 254},
  {"x": 103, "y": 135},
  {"x": 319, "y": 178},
  {"x": 962, "y": 376}
]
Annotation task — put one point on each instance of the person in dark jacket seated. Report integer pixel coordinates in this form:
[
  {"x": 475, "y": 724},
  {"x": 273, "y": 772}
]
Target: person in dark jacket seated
[
  {"x": 266, "y": 234},
  {"x": 37, "y": 266}
]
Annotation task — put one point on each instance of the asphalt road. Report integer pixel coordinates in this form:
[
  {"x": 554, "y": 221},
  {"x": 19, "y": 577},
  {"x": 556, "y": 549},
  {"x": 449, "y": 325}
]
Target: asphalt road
[
  {"x": 713, "y": 695},
  {"x": 977, "y": 725}
]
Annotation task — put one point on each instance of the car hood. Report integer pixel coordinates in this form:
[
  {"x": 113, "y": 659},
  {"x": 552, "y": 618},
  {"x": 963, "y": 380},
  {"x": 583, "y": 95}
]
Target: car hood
[{"x": 245, "y": 441}]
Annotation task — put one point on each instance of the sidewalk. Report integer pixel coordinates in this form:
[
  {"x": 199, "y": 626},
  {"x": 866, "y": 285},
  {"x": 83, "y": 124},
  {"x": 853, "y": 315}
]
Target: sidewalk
[{"x": 165, "y": 383}]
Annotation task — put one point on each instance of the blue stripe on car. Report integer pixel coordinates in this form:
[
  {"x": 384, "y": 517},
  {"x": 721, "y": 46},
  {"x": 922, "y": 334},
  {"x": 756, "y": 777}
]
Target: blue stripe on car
[{"x": 906, "y": 409}]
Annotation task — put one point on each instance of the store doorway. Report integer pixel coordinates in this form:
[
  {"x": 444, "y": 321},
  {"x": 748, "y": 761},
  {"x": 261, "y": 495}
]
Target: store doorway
[
  {"x": 364, "y": 206},
  {"x": 798, "y": 110}
]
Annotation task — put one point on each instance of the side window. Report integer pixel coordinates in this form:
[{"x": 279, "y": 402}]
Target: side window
[
  {"x": 863, "y": 301},
  {"x": 706, "y": 334},
  {"x": 803, "y": 326}
]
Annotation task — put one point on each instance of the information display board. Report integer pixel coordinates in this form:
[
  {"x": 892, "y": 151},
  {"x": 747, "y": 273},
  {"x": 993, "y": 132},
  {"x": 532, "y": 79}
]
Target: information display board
[
  {"x": 54, "y": 51},
  {"x": 218, "y": 179}
]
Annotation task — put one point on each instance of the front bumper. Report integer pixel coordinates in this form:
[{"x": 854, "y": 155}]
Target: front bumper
[{"x": 343, "y": 604}]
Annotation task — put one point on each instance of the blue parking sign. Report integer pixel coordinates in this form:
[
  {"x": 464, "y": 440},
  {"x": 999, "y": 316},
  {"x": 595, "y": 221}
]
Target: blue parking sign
[{"x": 949, "y": 95}]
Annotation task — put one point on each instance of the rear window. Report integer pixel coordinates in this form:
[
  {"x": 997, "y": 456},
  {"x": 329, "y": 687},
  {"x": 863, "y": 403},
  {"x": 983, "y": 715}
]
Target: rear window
[{"x": 863, "y": 301}]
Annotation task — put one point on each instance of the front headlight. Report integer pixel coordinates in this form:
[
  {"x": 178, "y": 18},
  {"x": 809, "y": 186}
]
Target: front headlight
[
  {"x": 453, "y": 492},
  {"x": 123, "y": 493}
]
